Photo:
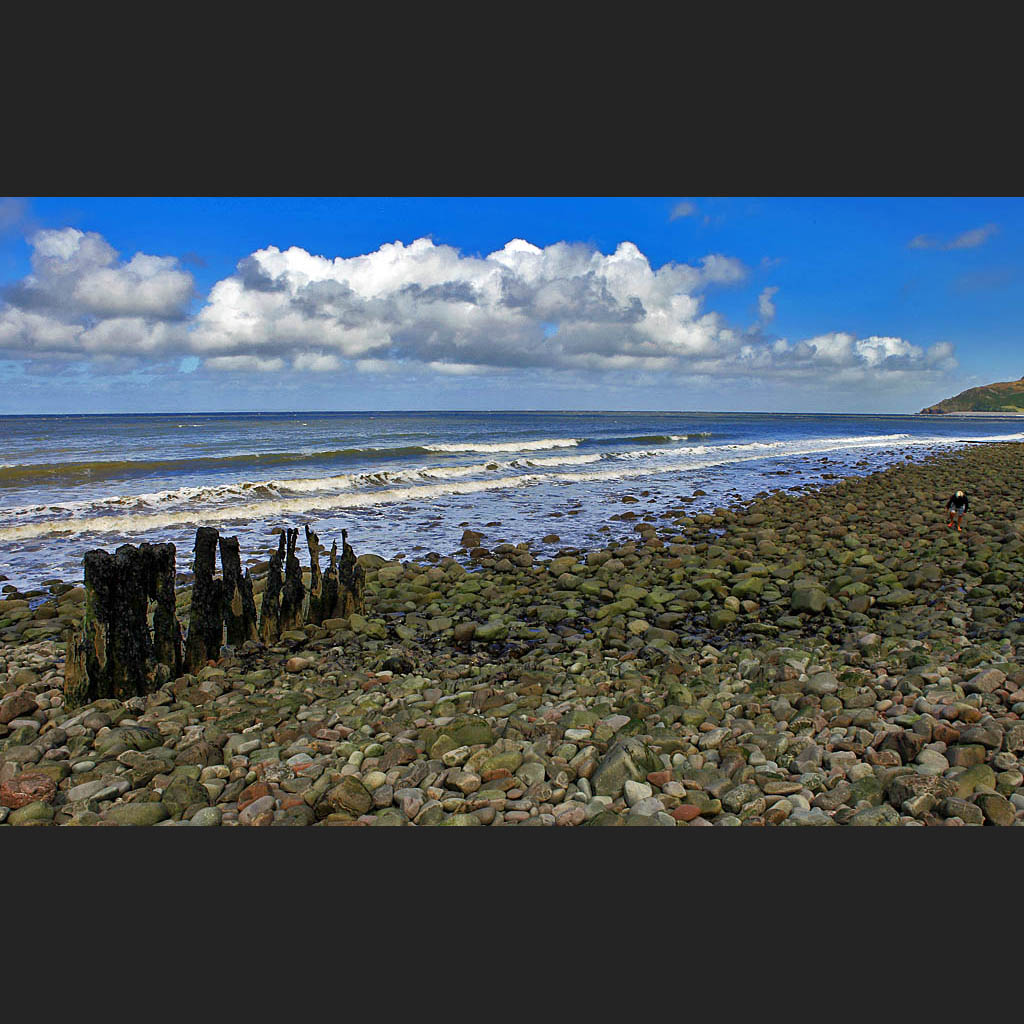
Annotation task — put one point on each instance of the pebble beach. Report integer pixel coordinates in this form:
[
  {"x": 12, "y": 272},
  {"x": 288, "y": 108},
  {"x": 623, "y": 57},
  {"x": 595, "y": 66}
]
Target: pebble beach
[{"x": 814, "y": 657}]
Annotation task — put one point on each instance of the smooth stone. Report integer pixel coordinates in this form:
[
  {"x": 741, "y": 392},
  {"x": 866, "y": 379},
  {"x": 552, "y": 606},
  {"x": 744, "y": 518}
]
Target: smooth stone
[
  {"x": 136, "y": 813},
  {"x": 206, "y": 816}
]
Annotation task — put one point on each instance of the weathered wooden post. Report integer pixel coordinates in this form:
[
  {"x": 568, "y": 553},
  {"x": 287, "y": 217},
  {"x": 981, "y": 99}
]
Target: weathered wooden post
[
  {"x": 239, "y": 606},
  {"x": 315, "y": 612},
  {"x": 329, "y": 598},
  {"x": 86, "y": 665},
  {"x": 350, "y": 581},
  {"x": 159, "y": 560},
  {"x": 76, "y": 677},
  {"x": 114, "y": 657},
  {"x": 270, "y": 610},
  {"x": 293, "y": 594},
  {"x": 206, "y": 621}
]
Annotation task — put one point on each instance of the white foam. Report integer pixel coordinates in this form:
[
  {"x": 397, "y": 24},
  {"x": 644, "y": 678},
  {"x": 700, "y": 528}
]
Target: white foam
[
  {"x": 510, "y": 446},
  {"x": 996, "y": 437},
  {"x": 559, "y": 460},
  {"x": 305, "y": 495}
]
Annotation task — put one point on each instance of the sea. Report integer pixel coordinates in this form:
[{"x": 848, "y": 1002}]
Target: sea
[{"x": 406, "y": 484}]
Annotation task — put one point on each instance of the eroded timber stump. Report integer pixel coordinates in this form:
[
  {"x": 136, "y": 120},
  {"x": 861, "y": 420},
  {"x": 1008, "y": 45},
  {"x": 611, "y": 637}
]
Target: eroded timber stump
[
  {"x": 239, "y": 603},
  {"x": 315, "y": 611},
  {"x": 206, "y": 619},
  {"x": 159, "y": 563},
  {"x": 114, "y": 656},
  {"x": 270, "y": 610},
  {"x": 351, "y": 578},
  {"x": 294, "y": 593}
]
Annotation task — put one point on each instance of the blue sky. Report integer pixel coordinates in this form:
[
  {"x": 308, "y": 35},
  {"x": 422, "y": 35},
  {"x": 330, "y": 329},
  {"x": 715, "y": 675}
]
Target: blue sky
[{"x": 679, "y": 302}]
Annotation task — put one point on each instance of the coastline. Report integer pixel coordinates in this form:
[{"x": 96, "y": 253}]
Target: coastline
[
  {"x": 828, "y": 656},
  {"x": 986, "y": 415}
]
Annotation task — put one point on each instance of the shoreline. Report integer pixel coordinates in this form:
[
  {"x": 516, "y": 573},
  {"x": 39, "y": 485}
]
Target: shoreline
[
  {"x": 771, "y": 662},
  {"x": 386, "y": 503},
  {"x": 966, "y": 412},
  {"x": 808, "y": 471}
]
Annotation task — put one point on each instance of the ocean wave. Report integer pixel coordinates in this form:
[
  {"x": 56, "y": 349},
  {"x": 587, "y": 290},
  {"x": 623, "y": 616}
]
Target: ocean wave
[
  {"x": 655, "y": 438},
  {"x": 213, "y": 496},
  {"x": 538, "y": 462},
  {"x": 506, "y": 446},
  {"x": 996, "y": 437},
  {"x": 417, "y": 485},
  {"x": 13, "y": 475},
  {"x": 217, "y": 499}
]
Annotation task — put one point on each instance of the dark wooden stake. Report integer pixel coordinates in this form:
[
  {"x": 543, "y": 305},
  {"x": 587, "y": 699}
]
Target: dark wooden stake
[
  {"x": 206, "y": 620},
  {"x": 114, "y": 657},
  {"x": 315, "y": 613},
  {"x": 239, "y": 604},
  {"x": 76, "y": 678},
  {"x": 294, "y": 593},
  {"x": 160, "y": 566},
  {"x": 270, "y": 610},
  {"x": 350, "y": 581},
  {"x": 329, "y": 598}
]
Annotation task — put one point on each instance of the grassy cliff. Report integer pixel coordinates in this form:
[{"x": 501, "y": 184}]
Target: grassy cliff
[{"x": 1007, "y": 396}]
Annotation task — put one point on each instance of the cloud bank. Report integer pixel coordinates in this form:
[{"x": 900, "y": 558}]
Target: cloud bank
[
  {"x": 82, "y": 301},
  {"x": 563, "y": 311}
]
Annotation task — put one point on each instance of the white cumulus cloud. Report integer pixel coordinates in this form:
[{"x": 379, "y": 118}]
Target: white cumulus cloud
[
  {"x": 431, "y": 304},
  {"x": 81, "y": 300},
  {"x": 563, "y": 312},
  {"x": 245, "y": 364},
  {"x": 765, "y": 305}
]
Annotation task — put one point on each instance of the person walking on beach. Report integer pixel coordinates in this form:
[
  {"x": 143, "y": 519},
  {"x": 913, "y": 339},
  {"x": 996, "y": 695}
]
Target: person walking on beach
[{"x": 957, "y": 506}]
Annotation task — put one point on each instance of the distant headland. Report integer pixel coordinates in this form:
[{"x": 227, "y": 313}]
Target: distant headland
[{"x": 1004, "y": 397}]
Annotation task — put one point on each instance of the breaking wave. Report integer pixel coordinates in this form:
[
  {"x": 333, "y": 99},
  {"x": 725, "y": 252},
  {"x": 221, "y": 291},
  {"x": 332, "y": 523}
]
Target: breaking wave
[
  {"x": 248, "y": 501},
  {"x": 506, "y": 446}
]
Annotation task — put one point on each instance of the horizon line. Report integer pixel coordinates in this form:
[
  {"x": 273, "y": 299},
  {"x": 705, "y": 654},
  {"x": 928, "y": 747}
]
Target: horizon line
[{"x": 485, "y": 412}]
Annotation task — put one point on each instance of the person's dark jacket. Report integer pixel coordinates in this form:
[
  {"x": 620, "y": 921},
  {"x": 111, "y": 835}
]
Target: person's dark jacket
[{"x": 958, "y": 505}]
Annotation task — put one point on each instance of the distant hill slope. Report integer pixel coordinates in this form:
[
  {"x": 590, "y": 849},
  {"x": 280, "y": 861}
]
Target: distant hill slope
[{"x": 1007, "y": 396}]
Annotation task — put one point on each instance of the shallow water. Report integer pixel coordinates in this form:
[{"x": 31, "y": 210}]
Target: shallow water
[{"x": 406, "y": 483}]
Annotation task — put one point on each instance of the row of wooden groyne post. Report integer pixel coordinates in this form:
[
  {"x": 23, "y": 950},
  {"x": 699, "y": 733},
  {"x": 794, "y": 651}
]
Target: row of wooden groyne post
[{"x": 118, "y": 655}]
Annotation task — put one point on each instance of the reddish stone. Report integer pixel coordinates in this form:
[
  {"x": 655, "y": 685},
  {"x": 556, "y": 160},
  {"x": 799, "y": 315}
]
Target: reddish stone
[
  {"x": 945, "y": 734},
  {"x": 685, "y": 812},
  {"x": 292, "y": 800},
  {"x": 17, "y": 705},
  {"x": 659, "y": 778},
  {"x": 27, "y": 788},
  {"x": 252, "y": 793},
  {"x": 259, "y": 814},
  {"x": 885, "y": 758},
  {"x": 496, "y": 773}
]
